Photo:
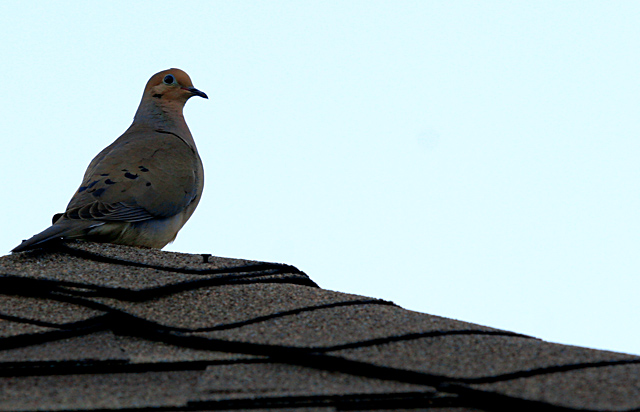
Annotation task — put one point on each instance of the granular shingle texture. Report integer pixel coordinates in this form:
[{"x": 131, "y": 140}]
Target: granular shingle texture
[{"x": 89, "y": 326}]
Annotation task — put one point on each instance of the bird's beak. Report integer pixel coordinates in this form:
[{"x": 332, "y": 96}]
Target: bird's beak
[{"x": 196, "y": 92}]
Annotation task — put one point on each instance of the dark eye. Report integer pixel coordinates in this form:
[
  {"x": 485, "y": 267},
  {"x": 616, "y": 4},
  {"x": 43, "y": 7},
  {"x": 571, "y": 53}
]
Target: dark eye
[{"x": 168, "y": 79}]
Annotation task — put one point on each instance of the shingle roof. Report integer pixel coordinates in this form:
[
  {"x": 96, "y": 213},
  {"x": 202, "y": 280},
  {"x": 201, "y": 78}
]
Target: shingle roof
[{"x": 103, "y": 327}]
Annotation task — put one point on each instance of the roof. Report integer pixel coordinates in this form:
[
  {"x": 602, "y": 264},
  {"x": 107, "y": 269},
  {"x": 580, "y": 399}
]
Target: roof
[{"x": 90, "y": 326}]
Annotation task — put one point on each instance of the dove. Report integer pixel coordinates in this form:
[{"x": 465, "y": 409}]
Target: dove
[{"x": 141, "y": 189}]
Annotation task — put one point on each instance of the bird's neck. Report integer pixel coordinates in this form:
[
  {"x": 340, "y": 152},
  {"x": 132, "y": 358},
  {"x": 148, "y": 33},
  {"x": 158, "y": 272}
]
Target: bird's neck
[{"x": 164, "y": 116}]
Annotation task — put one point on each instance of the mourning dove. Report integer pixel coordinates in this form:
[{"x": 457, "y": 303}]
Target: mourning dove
[{"x": 142, "y": 188}]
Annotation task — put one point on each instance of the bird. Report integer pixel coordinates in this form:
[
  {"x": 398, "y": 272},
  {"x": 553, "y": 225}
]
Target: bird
[{"x": 141, "y": 189}]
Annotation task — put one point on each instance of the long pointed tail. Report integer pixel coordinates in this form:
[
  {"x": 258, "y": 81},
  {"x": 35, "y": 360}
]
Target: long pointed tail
[{"x": 62, "y": 228}]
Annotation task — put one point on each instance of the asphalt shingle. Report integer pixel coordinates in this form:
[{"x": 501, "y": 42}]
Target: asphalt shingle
[
  {"x": 225, "y": 305},
  {"x": 276, "y": 380},
  {"x": 329, "y": 328},
  {"x": 10, "y": 329},
  {"x": 80, "y": 269},
  {"x": 110, "y": 391},
  {"x": 471, "y": 357},
  {"x": 43, "y": 311},
  {"x": 600, "y": 387}
]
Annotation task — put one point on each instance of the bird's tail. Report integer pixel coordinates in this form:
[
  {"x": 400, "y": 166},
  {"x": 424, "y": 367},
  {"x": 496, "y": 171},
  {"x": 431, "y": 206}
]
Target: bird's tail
[{"x": 62, "y": 228}]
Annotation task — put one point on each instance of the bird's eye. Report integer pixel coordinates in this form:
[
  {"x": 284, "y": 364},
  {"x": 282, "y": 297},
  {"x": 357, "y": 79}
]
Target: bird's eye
[{"x": 169, "y": 79}]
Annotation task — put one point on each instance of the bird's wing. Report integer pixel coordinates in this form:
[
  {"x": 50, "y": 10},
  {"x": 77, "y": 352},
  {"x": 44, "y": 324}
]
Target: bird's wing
[{"x": 141, "y": 176}]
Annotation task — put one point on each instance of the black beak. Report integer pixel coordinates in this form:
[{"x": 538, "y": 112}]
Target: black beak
[{"x": 196, "y": 92}]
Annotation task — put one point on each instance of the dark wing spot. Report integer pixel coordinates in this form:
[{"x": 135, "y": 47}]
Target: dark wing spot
[
  {"x": 105, "y": 174},
  {"x": 148, "y": 184},
  {"x": 125, "y": 170},
  {"x": 157, "y": 95},
  {"x": 98, "y": 192},
  {"x": 130, "y": 176},
  {"x": 82, "y": 189},
  {"x": 110, "y": 182},
  {"x": 143, "y": 169},
  {"x": 92, "y": 184}
]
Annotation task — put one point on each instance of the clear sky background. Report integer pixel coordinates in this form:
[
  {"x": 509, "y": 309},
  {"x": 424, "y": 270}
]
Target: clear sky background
[{"x": 474, "y": 160}]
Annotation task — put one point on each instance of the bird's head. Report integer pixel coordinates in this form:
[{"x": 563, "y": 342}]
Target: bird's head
[{"x": 172, "y": 85}]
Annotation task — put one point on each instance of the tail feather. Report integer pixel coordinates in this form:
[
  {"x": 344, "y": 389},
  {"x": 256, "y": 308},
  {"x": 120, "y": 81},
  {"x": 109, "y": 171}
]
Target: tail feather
[{"x": 62, "y": 228}]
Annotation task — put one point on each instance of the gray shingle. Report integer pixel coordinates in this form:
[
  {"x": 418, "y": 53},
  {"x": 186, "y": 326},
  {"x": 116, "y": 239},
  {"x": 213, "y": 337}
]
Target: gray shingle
[
  {"x": 610, "y": 388},
  {"x": 43, "y": 311},
  {"x": 145, "y": 351},
  {"x": 156, "y": 257},
  {"x": 216, "y": 306},
  {"x": 95, "y": 346},
  {"x": 85, "y": 268},
  {"x": 277, "y": 380},
  {"x": 11, "y": 329},
  {"x": 326, "y": 328},
  {"x": 100, "y": 391},
  {"x": 476, "y": 356}
]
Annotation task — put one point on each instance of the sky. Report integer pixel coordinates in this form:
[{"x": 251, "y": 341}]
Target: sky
[{"x": 472, "y": 160}]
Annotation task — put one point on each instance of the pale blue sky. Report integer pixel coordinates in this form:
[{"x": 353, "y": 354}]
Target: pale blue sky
[{"x": 474, "y": 160}]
